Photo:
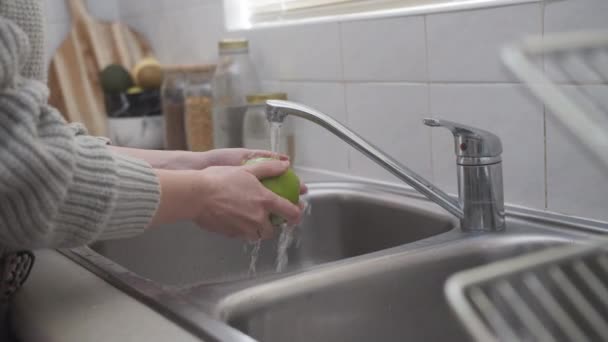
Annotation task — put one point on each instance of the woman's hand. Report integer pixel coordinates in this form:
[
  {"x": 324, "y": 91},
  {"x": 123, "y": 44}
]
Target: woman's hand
[
  {"x": 236, "y": 156},
  {"x": 185, "y": 160},
  {"x": 227, "y": 199}
]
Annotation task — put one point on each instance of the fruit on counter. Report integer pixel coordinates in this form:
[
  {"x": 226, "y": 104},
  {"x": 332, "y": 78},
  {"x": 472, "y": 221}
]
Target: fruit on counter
[
  {"x": 115, "y": 79},
  {"x": 286, "y": 185},
  {"x": 148, "y": 73}
]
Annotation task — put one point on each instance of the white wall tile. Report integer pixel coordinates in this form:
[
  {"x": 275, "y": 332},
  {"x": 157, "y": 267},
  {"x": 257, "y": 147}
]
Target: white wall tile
[
  {"x": 576, "y": 184},
  {"x": 384, "y": 50},
  {"x": 58, "y": 20},
  {"x": 263, "y": 44},
  {"x": 139, "y": 7},
  {"x": 170, "y": 5},
  {"x": 56, "y": 33},
  {"x": 191, "y": 35},
  {"x": 271, "y": 86},
  {"x": 150, "y": 26},
  {"x": 103, "y": 9},
  {"x": 315, "y": 147},
  {"x": 575, "y": 15},
  {"x": 390, "y": 117},
  {"x": 465, "y": 46},
  {"x": 56, "y": 11},
  {"x": 507, "y": 111},
  {"x": 302, "y": 52},
  {"x": 308, "y": 52},
  {"x": 576, "y": 67}
]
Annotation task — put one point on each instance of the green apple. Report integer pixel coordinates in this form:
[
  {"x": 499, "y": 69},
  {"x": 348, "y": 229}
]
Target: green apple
[{"x": 286, "y": 185}]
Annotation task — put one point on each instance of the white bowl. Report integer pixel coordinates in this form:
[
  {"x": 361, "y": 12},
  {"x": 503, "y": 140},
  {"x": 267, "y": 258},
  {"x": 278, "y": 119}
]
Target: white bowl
[{"x": 145, "y": 132}]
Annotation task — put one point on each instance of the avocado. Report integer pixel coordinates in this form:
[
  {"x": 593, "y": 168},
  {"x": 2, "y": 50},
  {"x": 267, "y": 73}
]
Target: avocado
[{"x": 115, "y": 79}]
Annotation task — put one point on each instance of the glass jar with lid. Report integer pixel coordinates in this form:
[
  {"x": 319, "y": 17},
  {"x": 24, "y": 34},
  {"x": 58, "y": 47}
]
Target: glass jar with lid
[
  {"x": 256, "y": 128},
  {"x": 177, "y": 80},
  {"x": 172, "y": 100},
  {"x": 198, "y": 119},
  {"x": 234, "y": 78}
]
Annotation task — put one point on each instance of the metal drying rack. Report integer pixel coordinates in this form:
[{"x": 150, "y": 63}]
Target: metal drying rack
[{"x": 560, "y": 294}]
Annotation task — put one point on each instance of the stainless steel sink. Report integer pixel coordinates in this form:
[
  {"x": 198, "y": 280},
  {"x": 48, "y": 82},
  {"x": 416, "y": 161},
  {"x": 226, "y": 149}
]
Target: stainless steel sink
[
  {"x": 392, "y": 298},
  {"x": 370, "y": 266},
  {"x": 343, "y": 222}
]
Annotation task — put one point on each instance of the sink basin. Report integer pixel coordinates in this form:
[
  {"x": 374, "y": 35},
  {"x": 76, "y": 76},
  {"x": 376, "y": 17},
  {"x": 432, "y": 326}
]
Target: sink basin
[
  {"x": 345, "y": 221},
  {"x": 396, "y": 297},
  {"x": 371, "y": 265}
]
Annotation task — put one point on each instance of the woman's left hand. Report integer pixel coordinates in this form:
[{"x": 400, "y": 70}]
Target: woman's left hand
[
  {"x": 185, "y": 160},
  {"x": 238, "y": 156},
  {"x": 235, "y": 156}
]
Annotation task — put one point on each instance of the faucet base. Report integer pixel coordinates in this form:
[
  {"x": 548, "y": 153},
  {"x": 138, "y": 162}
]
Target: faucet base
[{"x": 480, "y": 190}]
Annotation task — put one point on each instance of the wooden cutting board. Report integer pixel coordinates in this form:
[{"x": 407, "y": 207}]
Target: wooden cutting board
[{"x": 74, "y": 73}]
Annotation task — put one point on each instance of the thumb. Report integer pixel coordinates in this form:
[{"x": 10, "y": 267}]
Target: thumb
[{"x": 265, "y": 169}]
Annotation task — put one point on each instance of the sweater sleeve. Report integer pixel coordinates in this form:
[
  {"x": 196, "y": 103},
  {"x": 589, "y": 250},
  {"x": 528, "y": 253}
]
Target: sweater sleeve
[{"x": 59, "y": 188}]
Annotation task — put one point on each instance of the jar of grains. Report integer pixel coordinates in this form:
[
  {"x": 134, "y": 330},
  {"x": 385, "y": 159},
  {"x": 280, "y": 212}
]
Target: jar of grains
[
  {"x": 185, "y": 119},
  {"x": 198, "y": 115}
]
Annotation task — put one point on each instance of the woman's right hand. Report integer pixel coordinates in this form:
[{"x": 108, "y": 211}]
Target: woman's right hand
[{"x": 227, "y": 199}]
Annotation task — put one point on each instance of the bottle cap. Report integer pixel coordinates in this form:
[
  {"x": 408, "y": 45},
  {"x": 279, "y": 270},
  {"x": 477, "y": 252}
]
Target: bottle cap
[{"x": 233, "y": 43}]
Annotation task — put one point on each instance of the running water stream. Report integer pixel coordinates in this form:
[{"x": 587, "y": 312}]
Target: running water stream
[{"x": 286, "y": 237}]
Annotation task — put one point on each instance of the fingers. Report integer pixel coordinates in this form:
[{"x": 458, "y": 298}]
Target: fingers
[
  {"x": 262, "y": 230},
  {"x": 266, "y": 231},
  {"x": 266, "y": 154},
  {"x": 303, "y": 189},
  {"x": 283, "y": 208},
  {"x": 266, "y": 169}
]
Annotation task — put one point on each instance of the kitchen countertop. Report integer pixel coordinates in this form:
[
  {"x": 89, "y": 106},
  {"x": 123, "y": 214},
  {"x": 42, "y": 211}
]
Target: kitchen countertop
[{"x": 62, "y": 301}]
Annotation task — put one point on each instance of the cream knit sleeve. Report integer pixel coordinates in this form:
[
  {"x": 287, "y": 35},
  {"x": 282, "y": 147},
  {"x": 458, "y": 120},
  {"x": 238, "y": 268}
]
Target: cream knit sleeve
[{"x": 59, "y": 188}]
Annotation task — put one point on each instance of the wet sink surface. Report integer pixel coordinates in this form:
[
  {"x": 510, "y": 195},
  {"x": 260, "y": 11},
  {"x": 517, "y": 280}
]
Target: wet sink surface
[
  {"x": 395, "y": 298},
  {"x": 343, "y": 223}
]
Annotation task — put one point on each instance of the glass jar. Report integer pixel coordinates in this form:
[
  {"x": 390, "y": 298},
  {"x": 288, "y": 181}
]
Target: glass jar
[
  {"x": 183, "y": 122},
  {"x": 198, "y": 112},
  {"x": 256, "y": 128},
  {"x": 173, "y": 107},
  {"x": 234, "y": 78}
]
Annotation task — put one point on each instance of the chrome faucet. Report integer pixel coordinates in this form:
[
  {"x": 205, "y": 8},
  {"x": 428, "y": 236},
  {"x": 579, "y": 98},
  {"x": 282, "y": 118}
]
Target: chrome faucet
[{"x": 480, "y": 206}]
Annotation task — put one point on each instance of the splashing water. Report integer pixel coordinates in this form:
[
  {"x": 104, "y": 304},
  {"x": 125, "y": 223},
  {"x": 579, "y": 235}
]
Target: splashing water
[
  {"x": 255, "y": 252},
  {"x": 288, "y": 232},
  {"x": 286, "y": 239}
]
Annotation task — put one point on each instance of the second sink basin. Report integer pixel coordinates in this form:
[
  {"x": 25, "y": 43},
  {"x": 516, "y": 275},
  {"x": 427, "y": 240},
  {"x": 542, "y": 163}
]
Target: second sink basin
[
  {"x": 396, "y": 297},
  {"x": 344, "y": 221}
]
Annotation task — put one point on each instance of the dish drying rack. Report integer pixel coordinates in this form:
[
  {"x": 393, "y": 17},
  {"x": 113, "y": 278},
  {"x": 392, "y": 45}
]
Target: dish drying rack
[
  {"x": 560, "y": 294},
  {"x": 566, "y": 72}
]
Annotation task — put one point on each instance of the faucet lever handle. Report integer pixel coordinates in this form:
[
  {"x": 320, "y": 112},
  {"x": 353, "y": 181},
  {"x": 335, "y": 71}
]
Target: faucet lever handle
[{"x": 471, "y": 142}]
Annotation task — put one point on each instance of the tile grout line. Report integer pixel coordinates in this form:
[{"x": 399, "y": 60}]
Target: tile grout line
[
  {"x": 428, "y": 94},
  {"x": 545, "y": 150},
  {"x": 344, "y": 97}
]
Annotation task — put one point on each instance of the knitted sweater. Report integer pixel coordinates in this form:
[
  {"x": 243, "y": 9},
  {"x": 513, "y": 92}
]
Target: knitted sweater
[{"x": 58, "y": 186}]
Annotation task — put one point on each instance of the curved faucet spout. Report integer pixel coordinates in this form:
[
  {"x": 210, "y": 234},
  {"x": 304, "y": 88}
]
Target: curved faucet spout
[{"x": 277, "y": 110}]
